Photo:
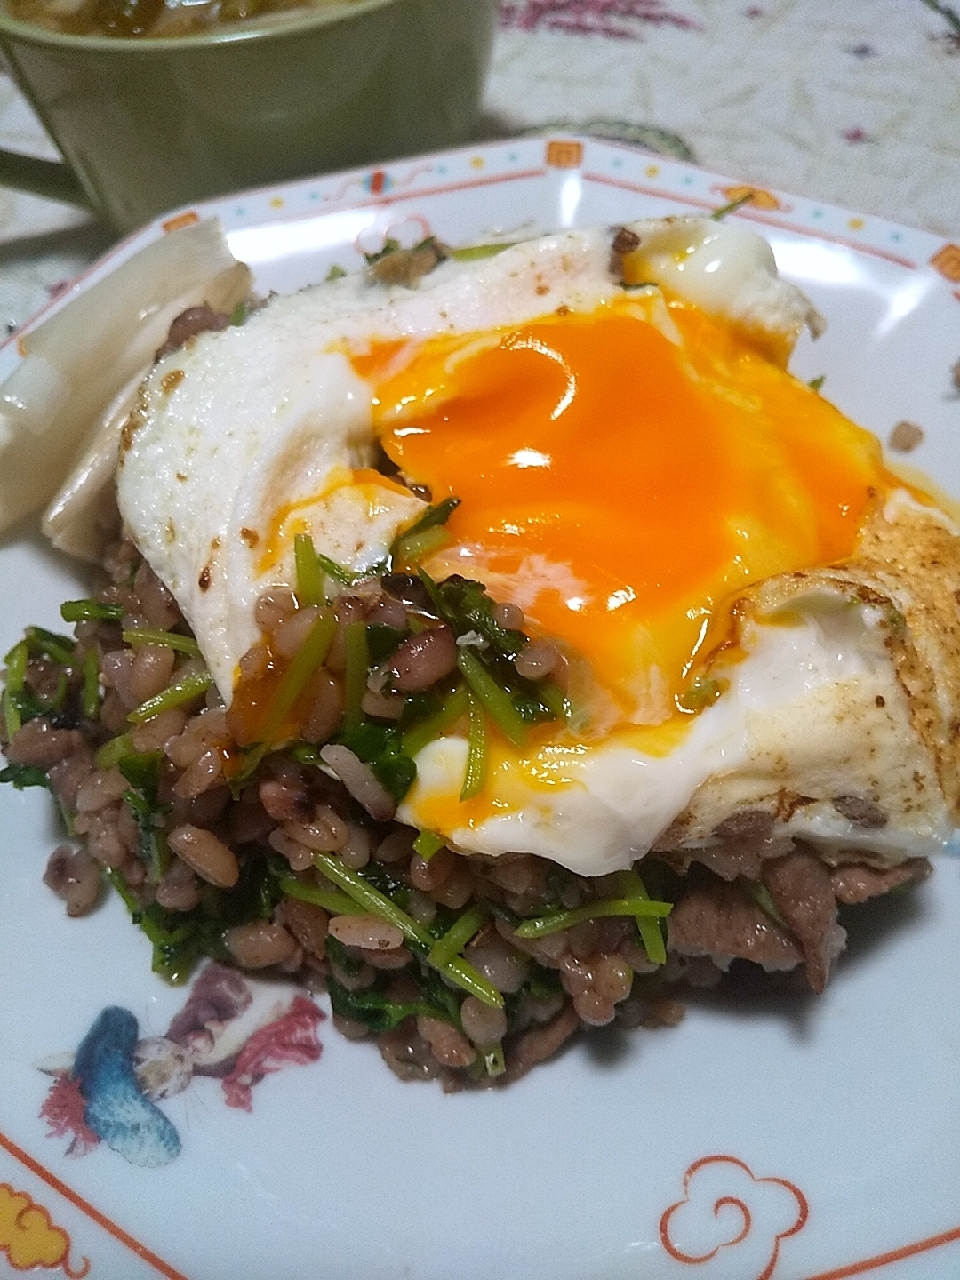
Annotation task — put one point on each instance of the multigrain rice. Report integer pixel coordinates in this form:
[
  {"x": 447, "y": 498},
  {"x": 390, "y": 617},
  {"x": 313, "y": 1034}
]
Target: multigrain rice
[{"x": 235, "y": 860}]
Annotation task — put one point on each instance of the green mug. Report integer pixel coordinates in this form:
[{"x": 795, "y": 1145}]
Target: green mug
[{"x": 145, "y": 125}]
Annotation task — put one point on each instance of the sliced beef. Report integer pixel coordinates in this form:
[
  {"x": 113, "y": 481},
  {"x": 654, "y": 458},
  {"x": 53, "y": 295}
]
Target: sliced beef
[
  {"x": 189, "y": 323},
  {"x": 718, "y": 919},
  {"x": 801, "y": 888},
  {"x": 855, "y": 883},
  {"x": 757, "y": 823},
  {"x": 861, "y": 811},
  {"x": 741, "y": 855}
]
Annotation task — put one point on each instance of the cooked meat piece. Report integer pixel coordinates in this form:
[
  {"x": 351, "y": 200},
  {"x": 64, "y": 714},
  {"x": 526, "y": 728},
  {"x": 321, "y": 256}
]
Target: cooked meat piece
[
  {"x": 861, "y": 811},
  {"x": 719, "y": 920},
  {"x": 541, "y": 1043},
  {"x": 801, "y": 888},
  {"x": 855, "y": 883},
  {"x": 189, "y": 323},
  {"x": 746, "y": 822},
  {"x": 741, "y": 855}
]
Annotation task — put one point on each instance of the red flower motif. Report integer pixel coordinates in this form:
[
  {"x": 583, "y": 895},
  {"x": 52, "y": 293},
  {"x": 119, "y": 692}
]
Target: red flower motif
[
  {"x": 63, "y": 1109},
  {"x": 290, "y": 1040},
  {"x": 591, "y": 17},
  {"x": 725, "y": 1206}
]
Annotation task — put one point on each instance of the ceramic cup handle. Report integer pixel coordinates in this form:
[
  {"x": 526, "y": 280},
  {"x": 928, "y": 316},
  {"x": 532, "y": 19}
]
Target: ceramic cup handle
[{"x": 48, "y": 178}]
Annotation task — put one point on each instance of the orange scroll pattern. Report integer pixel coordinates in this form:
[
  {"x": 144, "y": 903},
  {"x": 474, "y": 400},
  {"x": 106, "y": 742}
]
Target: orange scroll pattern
[{"x": 726, "y": 1209}]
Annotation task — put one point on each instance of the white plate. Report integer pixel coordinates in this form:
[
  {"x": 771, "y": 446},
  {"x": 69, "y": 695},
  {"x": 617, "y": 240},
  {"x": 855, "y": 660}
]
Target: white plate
[{"x": 758, "y": 1140}]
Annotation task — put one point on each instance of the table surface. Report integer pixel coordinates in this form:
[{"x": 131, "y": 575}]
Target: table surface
[{"x": 858, "y": 104}]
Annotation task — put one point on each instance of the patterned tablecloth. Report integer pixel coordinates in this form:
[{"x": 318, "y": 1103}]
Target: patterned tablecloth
[{"x": 858, "y": 104}]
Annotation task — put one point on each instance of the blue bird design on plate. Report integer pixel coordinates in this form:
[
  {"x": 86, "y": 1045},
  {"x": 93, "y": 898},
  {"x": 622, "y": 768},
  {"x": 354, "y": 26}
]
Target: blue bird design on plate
[
  {"x": 116, "y": 1109},
  {"x": 230, "y": 1028}
]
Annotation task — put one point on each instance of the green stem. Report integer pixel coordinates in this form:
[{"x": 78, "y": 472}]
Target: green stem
[
  {"x": 309, "y": 657},
  {"x": 378, "y": 904},
  {"x": 456, "y": 937},
  {"x": 427, "y": 844},
  {"x": 113, "y": 751},
  {"x": 476, "y": 769},
  {"x": 454, "y": 706},
  {"x": 637, "y": 907},
  {"x": 166, "y": 639},
  {"x": 90, "y": 610},
  {"x": 332, "y": 900},
  {"x": 357, "y": 655},
  {"x": 631, "y": 886},
  {"x": 309, "y": 572},
  {"x": 175, "y": 695},
  {"x": 494, "y": 699}
]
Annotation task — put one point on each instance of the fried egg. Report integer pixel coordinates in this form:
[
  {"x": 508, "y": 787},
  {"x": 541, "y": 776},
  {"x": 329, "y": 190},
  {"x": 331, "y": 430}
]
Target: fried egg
[{"x": 640, "y": 475}]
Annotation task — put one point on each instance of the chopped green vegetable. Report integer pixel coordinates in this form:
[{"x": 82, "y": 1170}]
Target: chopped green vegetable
[
  {"x": 427, "y": 844},
  {"x": 180, "y": 938},
  {"x": 454, "y": 705},
  {"x": 113, "y": 751},
  {"x": 474, "y": 252},
  {"x": 424, "y": 536},
  {"x": 389, "y": 246},
  {"x": 166, "y": 639},
  {"x": 435, "y": 515},
  {"x": 380, "y": 747},
  {"x": 355, "y": 675},
  {"x": 456, "y": 938},
  {"x": 15, "y": 663},
  {"x": 467, "y": 607},
  {"x": 763, "y": 898},
  {"x": 378, "y": 1012},
  {"x": 310, "y": 589},
  {"x": 142, "y": 771},
  {"x": 495, "y": 701},
  {"x": 476, "y": 770},
  {"x": 332, "y": 900},
  {"x": 90, "y": 611},
  {"x": 154, "y": 850},
  {"x": 16, "y": 671},
  {"x": 345, "y": 577},
  {"x": 309, "y": 657},
  {"x": 381, "y": 642},
  {"x": 816, "y": 383},
  {"x": 24, "y": 775},
  {"x": 377, "y": 903},
  {"x": 20, "y": 702},
  {"x": 48, "y": 644},
  {"x": 336, "y": 272},
  {"x": 414, "y": 547},
  {"x": 541, "y": 926},
  {"x": 701, "y": 693},
  {"x": 175, "y": 695},
  {"x": 493, "y": 1060},
  {"x": 718, "y": 215},
  {"x": 630, "y": 885},
  {"x": 176, "y": 947}
]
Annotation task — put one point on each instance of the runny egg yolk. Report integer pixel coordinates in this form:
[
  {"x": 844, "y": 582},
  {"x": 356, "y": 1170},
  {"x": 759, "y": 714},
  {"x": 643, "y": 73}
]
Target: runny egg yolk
[{"x": 623, "y": 477}]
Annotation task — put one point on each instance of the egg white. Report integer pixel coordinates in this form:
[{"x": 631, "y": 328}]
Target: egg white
[{"x": 239, "y": 426}]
